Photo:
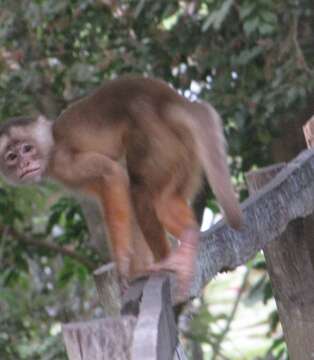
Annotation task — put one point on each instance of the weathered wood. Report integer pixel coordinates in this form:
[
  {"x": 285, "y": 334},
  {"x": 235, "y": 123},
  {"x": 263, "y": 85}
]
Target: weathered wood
[
  {"x": 104, "y": 339},
  {"x": 180, "y": 354},
  {"x": 291, "y": 268},
  {"x": 131, "y": 300},
  {"x": 308, "y": 130},
  {"x": 290, "y": 195},
  {"x": 258, "y": 178},
  {"x": 132, "y": 304},
  {"x": 107, "y": 284},
  {"x": 155, "y": 335}
]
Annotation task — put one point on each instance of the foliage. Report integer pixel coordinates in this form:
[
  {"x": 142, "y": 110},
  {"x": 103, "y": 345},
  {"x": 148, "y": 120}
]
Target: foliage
[
  {"x": 262, "y": 288},
  {"x": 34, "y": 275},
  {"x": 252, "y": 59}
]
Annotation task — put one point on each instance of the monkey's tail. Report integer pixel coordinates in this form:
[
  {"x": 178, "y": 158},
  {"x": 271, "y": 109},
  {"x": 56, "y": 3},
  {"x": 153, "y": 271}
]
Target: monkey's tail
[{"x": 205, "y": 124}]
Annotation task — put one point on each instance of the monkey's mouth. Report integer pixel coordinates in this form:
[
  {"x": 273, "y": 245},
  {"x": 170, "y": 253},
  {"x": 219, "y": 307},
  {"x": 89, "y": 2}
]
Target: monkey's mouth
[{"x": 29, "y": 172}]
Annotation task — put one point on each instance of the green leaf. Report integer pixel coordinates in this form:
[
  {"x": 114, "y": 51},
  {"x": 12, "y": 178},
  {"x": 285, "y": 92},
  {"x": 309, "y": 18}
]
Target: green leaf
[
  {"x": 82, "y": 273},
  {"x": 53, "y": 220},
  {"x": 269, "y": 17},
  {"x": 66, "y": 274},
  {"x": 217, "y": 17},
  {"x": 213, "y": 205},
  {"x": 247, "y": 56},
  {"x": 266, "y": 29},
  {"x": 251, "y": 25},
  {"x": 268, "y": 292},
  {"x": 256, "y": 292},
  {"x": 246, "y": 9},
  {"x": 274, "y": 320}
]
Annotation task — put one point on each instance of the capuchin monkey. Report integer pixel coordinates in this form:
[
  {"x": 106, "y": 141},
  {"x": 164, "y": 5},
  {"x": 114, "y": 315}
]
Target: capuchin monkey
[{"x": 140, "y": 148}]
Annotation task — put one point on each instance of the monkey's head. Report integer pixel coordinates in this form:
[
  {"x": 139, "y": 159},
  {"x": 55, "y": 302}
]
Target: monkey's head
[{"x": 25, "y": 146}]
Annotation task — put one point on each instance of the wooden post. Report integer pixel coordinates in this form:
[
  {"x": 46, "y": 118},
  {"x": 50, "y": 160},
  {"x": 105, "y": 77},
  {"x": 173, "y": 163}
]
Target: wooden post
[
  {"x": 290, "y": 263},
  {"x": 145, "y": 331},
  {"x": 103, "y": 339},
  {"x": 107, "y": 284},
  {"x": 155, "y": 334}
]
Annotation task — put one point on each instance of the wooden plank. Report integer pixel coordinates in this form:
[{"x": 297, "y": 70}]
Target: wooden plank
[
  {"x": 290, "y": 195},
  {"x": 132, "y": 298},
  {"x": 291, "y": 269},
  {"x": 179, "y": 353},
  {"x": 155, "y": 334},
  {"x": 103, "y": 339}
]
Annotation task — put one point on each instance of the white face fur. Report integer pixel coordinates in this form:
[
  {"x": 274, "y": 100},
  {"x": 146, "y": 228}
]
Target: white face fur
[{"x": 25, "y": 150}]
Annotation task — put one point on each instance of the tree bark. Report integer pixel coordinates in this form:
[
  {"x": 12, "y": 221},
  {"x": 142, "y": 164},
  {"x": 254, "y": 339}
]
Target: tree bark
[
  {"x": 290, "y": 263},
  {"x": 291, "y": 140}
]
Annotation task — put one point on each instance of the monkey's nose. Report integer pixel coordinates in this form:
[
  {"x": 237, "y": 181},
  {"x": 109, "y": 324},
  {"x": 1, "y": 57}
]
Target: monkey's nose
[{"x": 25, "y": 163}]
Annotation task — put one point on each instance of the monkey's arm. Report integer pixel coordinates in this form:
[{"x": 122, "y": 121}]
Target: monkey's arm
[{"x": 99, "y": 175}]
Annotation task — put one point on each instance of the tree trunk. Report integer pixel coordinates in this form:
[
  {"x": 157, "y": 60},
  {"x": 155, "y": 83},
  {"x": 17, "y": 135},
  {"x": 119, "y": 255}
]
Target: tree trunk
[{"x": 290, "y": 263}]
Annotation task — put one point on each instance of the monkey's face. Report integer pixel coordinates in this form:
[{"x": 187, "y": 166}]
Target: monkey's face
[
  {"x": 22, "y": 163},
  {"x": 25, "y": 146}
]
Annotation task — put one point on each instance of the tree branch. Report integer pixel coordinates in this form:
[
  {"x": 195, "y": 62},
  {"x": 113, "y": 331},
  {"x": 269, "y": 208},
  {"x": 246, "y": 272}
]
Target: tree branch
[
  {"x": 301, "y": 62},
  {"x": 55, "y": 248}
]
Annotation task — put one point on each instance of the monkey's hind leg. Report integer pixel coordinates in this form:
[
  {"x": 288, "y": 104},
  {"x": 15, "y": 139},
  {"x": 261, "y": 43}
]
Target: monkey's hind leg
[
  {"x": 178, "y": 218},
  {"x": 149, "y": 223}
]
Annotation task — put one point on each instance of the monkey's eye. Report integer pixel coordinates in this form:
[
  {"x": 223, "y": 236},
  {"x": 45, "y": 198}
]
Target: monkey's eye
[
  {"x": 27, "y": 148},
  {"x": 10, "y": 157}
]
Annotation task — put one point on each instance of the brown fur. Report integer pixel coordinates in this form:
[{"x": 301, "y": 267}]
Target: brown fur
[{"x": 140, "y": 148}]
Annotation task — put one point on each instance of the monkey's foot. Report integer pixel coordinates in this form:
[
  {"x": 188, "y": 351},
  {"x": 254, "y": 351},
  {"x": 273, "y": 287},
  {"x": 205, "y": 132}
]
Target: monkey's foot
[
  {"x": 123, "y": 269},
  {"x": 182, "y": 261}
]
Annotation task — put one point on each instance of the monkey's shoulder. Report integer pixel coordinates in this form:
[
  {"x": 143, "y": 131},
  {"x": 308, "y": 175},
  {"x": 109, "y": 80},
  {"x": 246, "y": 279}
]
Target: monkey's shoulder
[{"x": 115, "y": 105}]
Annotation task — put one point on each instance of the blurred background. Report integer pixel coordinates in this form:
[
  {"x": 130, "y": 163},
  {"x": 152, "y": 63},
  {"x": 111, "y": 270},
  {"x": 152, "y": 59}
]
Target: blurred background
[{"x": 253, "y": 60}]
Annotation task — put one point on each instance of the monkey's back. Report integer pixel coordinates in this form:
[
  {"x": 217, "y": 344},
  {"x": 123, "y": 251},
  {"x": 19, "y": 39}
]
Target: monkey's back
[
  {"x": 113, "y": 101},
  {"x": 127, "y": 118}
]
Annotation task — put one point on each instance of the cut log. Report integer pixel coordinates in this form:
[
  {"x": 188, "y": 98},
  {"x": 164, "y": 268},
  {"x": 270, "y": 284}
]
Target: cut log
[{"x": 104, "y": 339}]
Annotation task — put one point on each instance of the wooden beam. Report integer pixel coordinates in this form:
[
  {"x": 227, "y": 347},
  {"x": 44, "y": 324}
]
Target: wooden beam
[
  {"x": 290, "y": 265},
  {"x": 288, "y": 196}
]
